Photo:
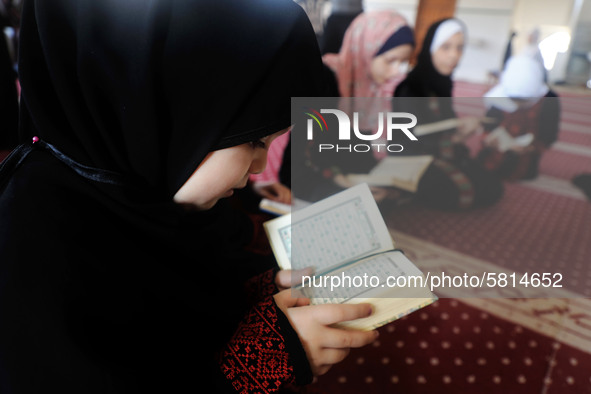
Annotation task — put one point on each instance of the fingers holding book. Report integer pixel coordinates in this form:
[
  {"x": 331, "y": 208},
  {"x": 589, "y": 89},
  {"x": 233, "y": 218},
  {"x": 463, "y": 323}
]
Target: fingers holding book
[{"x": 325, "y": 344}]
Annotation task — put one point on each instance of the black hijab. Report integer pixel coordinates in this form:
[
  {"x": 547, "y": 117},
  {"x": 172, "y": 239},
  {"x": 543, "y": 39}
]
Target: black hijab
[
  {"x": 424, "y": 80},
  {"x": 148, "y": 88},
  {"x": 106, "y": 285}
]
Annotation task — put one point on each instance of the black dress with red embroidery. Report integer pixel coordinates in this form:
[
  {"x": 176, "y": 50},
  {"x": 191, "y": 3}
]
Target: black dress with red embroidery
[{"x": 264, "y": 355}]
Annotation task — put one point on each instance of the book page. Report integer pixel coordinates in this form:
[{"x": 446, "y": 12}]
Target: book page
[
  {"x": 443, "y": 125},
  {"x": 506, "y": 141},
  {"x": 404, "y": 172},
  {"x": 278, "y": 208},
  {"x": 274, "y": 207},
  {"x": 502, "y": 137},
  {"x": 366, "y": 278},
  {"x": 341, "y": 228},
  {"x": 369, "y": 281},
  {"x": 435, "y": 127}
]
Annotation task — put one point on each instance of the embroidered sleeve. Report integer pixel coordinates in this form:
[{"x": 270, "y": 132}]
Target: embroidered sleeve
[{"x": 265, "y": 353}]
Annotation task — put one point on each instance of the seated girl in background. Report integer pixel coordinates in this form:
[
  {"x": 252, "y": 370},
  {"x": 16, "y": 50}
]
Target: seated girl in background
[
  {"x": 526, "y": 114},
  {"x": 122, "y": 267},
  {"x": 372, "y": 60},
  {"x": 454, "y": 180},
  {"x": 374, "y": 56}
]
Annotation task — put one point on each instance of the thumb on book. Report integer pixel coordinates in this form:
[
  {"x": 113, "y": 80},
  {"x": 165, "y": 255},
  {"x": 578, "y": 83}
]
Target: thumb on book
[{"x": 290, "y": 278}]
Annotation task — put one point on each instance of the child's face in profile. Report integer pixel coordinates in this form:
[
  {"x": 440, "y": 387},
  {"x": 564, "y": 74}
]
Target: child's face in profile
[{"x": 224, "y": 170}]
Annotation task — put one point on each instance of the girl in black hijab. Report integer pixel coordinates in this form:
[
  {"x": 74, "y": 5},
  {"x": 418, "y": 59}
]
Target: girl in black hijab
[
  {"x": 454, "y": 180},
  {"x": 431, "y": 76},
  {"x": 122, "y": 269}
]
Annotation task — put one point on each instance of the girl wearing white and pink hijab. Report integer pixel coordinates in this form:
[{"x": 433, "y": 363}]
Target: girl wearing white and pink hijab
[{"x": 374, "y": 55}]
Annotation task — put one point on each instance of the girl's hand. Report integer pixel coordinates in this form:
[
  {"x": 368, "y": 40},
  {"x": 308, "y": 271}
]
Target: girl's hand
[
  {"x": 324, "y": 344},
  {"x": 492, "y": 143},
  {"x": 466, "y": 128},
  {"x": 286, "y": 279}
]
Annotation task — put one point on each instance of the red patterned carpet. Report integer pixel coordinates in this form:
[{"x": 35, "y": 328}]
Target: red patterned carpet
[
  {"x": 530, "y": 230},
  {"x": 450, "y": 347},
  {"x": 502, "y": 345}
]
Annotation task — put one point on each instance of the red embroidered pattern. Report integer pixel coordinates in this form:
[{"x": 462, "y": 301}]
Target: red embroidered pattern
[
  {"x": 261, "y": 286},
  {"x": 256, "y": 360}
]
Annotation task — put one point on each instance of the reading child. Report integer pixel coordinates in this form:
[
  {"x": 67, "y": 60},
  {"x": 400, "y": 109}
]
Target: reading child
[
  {"x": 122, "y": 268},
  {"x": 454, "y": 181},
  {"x": 527, "y": 113}
]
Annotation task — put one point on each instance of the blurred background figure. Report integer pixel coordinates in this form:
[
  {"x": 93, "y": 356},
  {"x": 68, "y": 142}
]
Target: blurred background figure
[
  {"x": 509, "y": 49},
  {"x": 374, "y": 55},
  {"x": 440, "y": 55},
  {"x": 342, "y": 13},
  {"x": 372, "y": 60},
  {"x": 454, "y": 180},
  {"x": 526, "y": 115},
  {"x": 532, "y": 49}
]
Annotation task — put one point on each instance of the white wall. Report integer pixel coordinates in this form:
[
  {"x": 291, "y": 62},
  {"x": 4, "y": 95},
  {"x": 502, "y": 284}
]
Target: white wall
[
  {"x": 407, "y": 8},
  {"x": 548, "y": 16},
  {"x": 489, "y": 26},
  {"x": 577, "y": 61}
]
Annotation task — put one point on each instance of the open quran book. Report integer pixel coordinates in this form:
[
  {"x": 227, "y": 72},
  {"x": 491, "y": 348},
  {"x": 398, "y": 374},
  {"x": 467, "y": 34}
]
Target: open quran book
[
  {"x": 436, "y": 127},
  {"x": 443, "y": 125},
  {"x": 345, "y": 239},
  {"x": 506, "y": 141},
  {"x": 403, "y": 172},
  {"x": 274, "y": 207}
]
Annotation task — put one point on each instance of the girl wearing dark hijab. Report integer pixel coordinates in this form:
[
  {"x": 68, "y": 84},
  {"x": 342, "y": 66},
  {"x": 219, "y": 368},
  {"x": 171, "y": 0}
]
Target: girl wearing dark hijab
[
  {"x": 454, "y": 180},
  {"x": 122, "y": 267}
]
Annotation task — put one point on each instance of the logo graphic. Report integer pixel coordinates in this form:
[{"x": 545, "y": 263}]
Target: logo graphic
[
  {"x": 315, "y": 116},
  {"x": 388, "y": 123}
]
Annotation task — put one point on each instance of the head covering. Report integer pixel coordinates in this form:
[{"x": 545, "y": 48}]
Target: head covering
[
  {"x": 402, "y": 36},
  {"x": 444, "y": 32},
  {"x": 522, "y": 78},
  {"x": 346, "y": 6},
  {"x": 424, "y": 80},
  {"x": 364, "y": 38},
  {"x": 147, "y": 89}
]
